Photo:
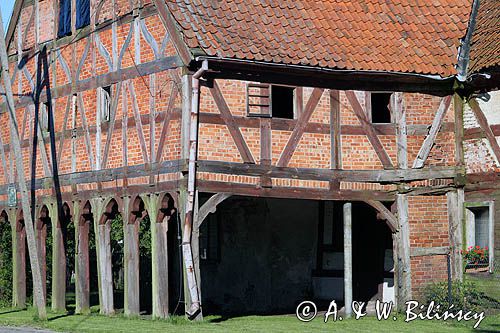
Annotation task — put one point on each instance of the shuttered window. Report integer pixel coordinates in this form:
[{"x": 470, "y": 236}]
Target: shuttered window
[
  {"x": 82, "y": 16},
  {"x": 82, "y": 13},
  {"x": 265, "y": 100},
  {"x": 64, "y": 18}
]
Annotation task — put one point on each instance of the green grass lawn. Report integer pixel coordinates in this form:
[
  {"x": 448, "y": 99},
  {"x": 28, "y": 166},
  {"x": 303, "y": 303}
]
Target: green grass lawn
[
  {"x": 97, "y": 323},
  {"x": 487, "y": 283}
]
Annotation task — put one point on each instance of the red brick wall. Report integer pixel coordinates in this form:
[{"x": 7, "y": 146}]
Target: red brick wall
[
  {"x": 143, "y": 91},
  {"x": 313, "y": 150},
  {"x": 428, "y": 220}
]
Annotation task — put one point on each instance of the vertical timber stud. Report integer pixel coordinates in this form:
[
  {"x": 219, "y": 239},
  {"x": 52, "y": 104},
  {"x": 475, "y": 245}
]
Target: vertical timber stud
[
  {"x": 348, "y": 258},
  {"x": 131, "y": 222},
  {"x": 399, "y": 113},
  {"x": 103, "y": 248},
  {"x": 18, "y": 261},
  {"x": 58, "y": 260},
  {"x": 455, "y": 213},
  {"x": 159, "y": 255},
  {"x": 82, "y": 264},
  {"x": 403, "y": 264},
  {"x": 459, "y": 130}
]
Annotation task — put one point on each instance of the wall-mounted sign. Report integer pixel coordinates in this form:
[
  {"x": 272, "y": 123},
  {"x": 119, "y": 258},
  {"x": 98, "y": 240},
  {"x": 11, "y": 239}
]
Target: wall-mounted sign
[{"x": 12, "y": 196}]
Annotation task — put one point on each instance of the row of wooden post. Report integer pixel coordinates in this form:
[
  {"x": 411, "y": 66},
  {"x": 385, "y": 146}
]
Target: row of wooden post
[{"x": 159, "y": 213}]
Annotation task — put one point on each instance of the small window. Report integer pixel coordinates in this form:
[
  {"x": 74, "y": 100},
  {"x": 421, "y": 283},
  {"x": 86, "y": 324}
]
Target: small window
[
  {"x": 82, "y": 16},
  {"x": 479, "y": 230},
  {"x": 282, "y": 102},
  {"x": 209, "y": 239},
  {"x": 104, "y": 96},
  {"x": 381, "y": 113},
  {"x": 264, "y": 100},
  {"x": 44, "y": 117},
  {"x": 481, "y": 226}
]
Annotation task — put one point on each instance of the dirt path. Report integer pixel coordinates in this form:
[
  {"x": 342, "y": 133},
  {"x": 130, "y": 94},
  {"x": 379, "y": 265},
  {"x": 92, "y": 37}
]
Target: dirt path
[{"x": 22, "y": 329}]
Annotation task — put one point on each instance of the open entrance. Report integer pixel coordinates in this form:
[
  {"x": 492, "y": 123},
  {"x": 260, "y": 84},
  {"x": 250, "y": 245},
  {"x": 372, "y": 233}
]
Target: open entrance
[
  {"x": 266, "y": 256},
  {"x": 5, "y": 260},
  {"x": 110, "y": 243},
  {"x": 86, "y": 277},
  {"x": 175, "y": 273},
  {"x": 44, "y": 240},
  {"x": 68, "y": 235},
  {"x": 372, "y": 256}
]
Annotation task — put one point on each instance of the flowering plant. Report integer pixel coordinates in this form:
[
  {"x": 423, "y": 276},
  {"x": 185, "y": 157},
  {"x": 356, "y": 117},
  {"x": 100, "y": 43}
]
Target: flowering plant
[{"x": 475, "y": 254}]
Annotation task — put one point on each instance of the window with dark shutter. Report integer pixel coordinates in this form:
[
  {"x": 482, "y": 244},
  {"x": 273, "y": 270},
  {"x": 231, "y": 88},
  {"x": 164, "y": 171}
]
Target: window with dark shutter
[
  {"x": 82, "y": 16},
  {"x": 265, "y": 100},
  {"x": 82, "y": 13},
  {"x": 64, "y": 18}
]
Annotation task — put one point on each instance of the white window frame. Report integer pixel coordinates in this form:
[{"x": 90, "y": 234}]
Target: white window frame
[
  {"x": 104, "y": 104},
  {"x": 469, "y": 228}
]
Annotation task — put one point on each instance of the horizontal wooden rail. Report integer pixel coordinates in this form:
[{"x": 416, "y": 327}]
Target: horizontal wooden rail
[{"x": 365, "y": 176}]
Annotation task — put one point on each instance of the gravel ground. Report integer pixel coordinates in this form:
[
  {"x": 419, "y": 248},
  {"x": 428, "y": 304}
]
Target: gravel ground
[{"x": 22, "y": 329}]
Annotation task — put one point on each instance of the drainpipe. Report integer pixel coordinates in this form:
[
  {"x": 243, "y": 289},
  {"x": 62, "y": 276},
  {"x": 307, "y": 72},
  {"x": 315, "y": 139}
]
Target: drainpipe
[
  {"x": 192, "y": 284},
  {"x": 463, "y": 55}
]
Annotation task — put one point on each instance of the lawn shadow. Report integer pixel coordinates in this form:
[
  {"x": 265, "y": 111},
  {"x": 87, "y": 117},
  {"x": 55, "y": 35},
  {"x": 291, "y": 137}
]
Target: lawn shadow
[
  {"x": 11, "y": 311},
  {"x": 60, "y": 316}
]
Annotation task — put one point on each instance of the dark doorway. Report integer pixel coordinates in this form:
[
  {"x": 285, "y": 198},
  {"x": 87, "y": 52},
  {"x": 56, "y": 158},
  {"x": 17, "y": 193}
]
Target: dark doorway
[
  {"x": 371, "y": 254},
  {"x": 175, "y": 274}
]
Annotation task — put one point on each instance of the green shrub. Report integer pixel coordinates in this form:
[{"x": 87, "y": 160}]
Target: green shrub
[
  {"x": 464, "y": 295},
  {"x": 5, "y": 264}
]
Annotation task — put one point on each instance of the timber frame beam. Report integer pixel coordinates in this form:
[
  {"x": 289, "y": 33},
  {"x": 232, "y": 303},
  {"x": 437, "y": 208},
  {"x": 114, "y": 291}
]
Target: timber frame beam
[{"x": 370, "y": 176}]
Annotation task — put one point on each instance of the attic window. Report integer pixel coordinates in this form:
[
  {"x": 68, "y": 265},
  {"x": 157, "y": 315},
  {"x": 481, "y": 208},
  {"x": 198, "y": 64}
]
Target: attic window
[
  {"x": 264, "y": 100},
  {"x": 381, "y": 114},
  {"x": 82, "y": 16},
  {"x": 282, "y": 102}
]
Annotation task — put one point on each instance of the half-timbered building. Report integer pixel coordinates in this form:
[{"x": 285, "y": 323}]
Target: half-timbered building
[{"x": 279, "y": 150}]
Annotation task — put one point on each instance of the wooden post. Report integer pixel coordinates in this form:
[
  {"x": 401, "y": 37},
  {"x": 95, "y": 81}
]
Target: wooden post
[
  {"x": 18, "y": 262},
  {"x": 16, "y": 145},
  {"x": 348, "y": 258},
  {"x": 58, "y": 261},
  {"x": 403, "y": 263},
  {"x": 399, "y": 112},
  {"x": 335, "y": 128},
  {"x": 159, "y": 255},
  {"x": 459, "y": 130},
  {"x": 82, "y": 264},
  {"x": 104, "y": 264},
  {"x": 454, "y": 236},
  {"x": 41, "y": 245},
  {"x": 131, "y": 257}
]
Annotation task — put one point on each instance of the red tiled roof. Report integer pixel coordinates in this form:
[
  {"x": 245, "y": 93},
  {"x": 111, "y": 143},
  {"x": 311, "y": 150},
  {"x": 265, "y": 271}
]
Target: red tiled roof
[
  {"x": 485, "y": 44},
  {"x": 414, "y": 36}
]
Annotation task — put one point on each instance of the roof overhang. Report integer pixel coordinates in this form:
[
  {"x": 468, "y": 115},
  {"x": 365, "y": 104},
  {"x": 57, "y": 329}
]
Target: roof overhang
[
  {"x": 227, "y": 68},
  {"x": 486, "y": 80}
]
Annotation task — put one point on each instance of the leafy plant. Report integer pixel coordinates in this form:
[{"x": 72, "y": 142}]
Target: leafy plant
[
  {"x": 5, "y": 264},
  {"x": 475, "y": 254},
  {"x": 464, "y": 295}
]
